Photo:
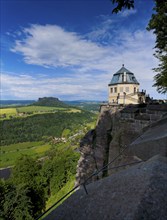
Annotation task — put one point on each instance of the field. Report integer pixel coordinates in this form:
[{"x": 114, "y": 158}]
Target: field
[
  {"x": 28, "y": 129},
  {"x": 10, "y": 153},
  {"x": 56, "y": 197},
  {"x": 28, "y": 109},
  {"x": 7, "y": 113},
  {"x": 46, "y": 139}
]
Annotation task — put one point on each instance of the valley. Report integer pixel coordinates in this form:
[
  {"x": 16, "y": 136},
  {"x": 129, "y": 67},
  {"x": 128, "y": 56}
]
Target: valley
[
  {"x": 39, "y": 153},
  {"x": 34, "y": 129}
]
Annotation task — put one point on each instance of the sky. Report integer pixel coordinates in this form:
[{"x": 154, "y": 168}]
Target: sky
[{"x": 71, "y": 48}]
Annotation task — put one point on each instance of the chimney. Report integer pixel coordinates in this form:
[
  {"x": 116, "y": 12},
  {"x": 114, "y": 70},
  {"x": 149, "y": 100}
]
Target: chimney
[{"x": 124, "y": 78}]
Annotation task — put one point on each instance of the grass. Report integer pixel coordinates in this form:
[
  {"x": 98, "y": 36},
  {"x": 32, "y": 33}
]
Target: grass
[
  {"x": 30, "y": 110},
  {"x": 74, "y": 110},
  {"x": 42, "y": 149},
  {"x": 9, "y": 154},
  {"x": 8, "y": 112},
  {"x": 66, "y": 133},
  {"x": 91, "y": 125},
  {"x": 54, "y": 198}
]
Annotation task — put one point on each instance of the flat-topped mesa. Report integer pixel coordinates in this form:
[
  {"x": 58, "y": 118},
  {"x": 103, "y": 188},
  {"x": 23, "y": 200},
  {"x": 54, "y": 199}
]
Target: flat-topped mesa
[
  {"x": 50, "y": 101},
  {"x": 124, "y": 88}
]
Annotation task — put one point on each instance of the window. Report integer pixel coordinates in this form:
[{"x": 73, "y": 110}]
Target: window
[
  {"x": 134, "y": 89},
  {"x": 122, "y": 77},
  {"x": 121, "y": 89},
  {"x": 115, "y": 89},
  {"x": 127, "y": 89},
  {"x": 111, "y": 90}
]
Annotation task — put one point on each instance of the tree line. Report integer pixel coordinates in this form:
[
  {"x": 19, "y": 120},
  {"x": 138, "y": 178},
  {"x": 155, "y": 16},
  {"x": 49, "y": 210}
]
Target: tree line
[
  {"x": 33, "y": 128},
  {"x": 25, "y": 194},
  {"x": 158, "y": 24}
]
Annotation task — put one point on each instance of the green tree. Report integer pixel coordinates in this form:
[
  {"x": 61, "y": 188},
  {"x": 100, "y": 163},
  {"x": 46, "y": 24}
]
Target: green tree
[
  {"x": 157, "y": 23},
  {"x": 27, "y": 173},
  {"x": 122, "y": 4},
  {"x": 2, "y": 197},
  {"x": 16, "y": 204}
]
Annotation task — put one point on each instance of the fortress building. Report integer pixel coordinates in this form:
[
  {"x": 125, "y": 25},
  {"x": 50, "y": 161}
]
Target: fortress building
[{"x": 124, "y": 88}]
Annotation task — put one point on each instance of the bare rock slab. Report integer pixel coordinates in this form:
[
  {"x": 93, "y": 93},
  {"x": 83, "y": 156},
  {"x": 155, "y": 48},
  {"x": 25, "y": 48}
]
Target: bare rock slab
[{"x": 137, "y": 193}]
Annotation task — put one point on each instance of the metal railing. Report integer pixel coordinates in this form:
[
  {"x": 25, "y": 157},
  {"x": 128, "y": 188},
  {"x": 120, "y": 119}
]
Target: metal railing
[{"x": 93, "y": 174}]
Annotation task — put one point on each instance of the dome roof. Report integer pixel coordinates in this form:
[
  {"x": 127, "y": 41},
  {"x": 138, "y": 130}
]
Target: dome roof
[{"x": 123, "y": 76}]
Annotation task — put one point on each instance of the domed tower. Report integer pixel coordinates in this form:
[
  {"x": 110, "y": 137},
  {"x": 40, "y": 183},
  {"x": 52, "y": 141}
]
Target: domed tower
[{"x": 124, "y": 88}]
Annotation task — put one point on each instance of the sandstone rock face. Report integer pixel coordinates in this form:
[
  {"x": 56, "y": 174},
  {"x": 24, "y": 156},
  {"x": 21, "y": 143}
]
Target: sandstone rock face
[
  {"x": 153, "y": 141},
  {"x": 103, "y": 139},
  {"x": 94, "y": 149},
  {"x": 87, "y": 163},
  {"x": 137, "y": 193},
  {"x": 118, "y": 127},
  {"x": 131, "y": 192}
]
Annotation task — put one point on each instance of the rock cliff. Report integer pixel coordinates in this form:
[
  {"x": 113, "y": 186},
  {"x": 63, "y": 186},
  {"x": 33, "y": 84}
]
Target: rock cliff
[
  {"x": 118, "y": 127},
  {"x": 137, "y": 193},
  {"x": 138, "y": 134}
]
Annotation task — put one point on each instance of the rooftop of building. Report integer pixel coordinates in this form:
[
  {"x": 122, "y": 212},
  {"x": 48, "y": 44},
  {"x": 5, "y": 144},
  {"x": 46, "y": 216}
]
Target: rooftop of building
[{"x": 123, "y": 76}]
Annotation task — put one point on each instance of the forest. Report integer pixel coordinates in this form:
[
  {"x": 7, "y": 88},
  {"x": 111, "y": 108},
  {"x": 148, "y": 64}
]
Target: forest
[
  {"x": 33, "y": 183},
  {"x": 35, "y": 127},
  {"x": 43, "y": 149}
]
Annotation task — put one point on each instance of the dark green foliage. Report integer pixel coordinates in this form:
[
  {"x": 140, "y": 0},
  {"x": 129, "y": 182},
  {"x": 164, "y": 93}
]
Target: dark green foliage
[
  {"x": 86, "y": 105},
  {"x": 16, "y": 204},
  {"x": 122, "y": 4},
  {"x": 58, "y": 169},
  {"x": 26, "y": 173},
  {"x": 35, "y": 127},
  {"x": 24, "y": 195},
  {"x": 158, "y": 23},
  {"x": 64, "y": 166},
  {"x": 2, "y": 197}
]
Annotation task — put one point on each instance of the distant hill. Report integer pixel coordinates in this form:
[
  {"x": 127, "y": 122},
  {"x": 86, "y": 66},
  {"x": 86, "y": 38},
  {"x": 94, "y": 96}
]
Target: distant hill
[
  {"x": 88, "y": 105},
  {"x": 50, "y": 101},
  {"x": 6, "y": 103}
]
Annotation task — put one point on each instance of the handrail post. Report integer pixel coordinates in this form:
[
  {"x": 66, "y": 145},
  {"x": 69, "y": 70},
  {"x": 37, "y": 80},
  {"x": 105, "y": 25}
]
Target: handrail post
[{"x": 85, "y": 189}]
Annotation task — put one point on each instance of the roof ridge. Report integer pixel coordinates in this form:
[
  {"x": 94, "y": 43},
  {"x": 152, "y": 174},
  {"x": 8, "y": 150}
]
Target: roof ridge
[
  {"x": 122, "y": 70},
  {"x": 118, "y": 77}
]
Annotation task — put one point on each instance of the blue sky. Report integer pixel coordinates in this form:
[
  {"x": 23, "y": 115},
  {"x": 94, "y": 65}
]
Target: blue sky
[{"x": 70, "y": 49}]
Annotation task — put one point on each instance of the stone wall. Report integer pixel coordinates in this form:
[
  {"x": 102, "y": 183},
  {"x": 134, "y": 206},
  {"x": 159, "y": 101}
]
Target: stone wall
[
  {"x": 94, "y": 149},
  {"x": 113, "y": 132}
]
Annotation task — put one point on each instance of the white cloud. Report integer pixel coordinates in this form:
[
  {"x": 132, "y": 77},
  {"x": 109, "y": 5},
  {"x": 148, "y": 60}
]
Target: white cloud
[
  {"x": 51, "y": 45},
  {"x": 92, "y": 63},
  {"x": 127, "y": 13},
  {"x": 87, "y": 86},
  {"x": 25, "y": 86}
]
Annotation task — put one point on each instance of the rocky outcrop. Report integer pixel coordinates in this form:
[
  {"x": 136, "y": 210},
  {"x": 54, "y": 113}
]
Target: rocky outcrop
[
  {"x": 50, "y": 101},
  {"x": 118, "y": 127},
  {"x": 94, "y": 149},
  {"x": 139, "y": 192},
  {"x": 87, "y": 162},
  {"x": 130, "y": 191},
  {"x": 153, "y": 141}
]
